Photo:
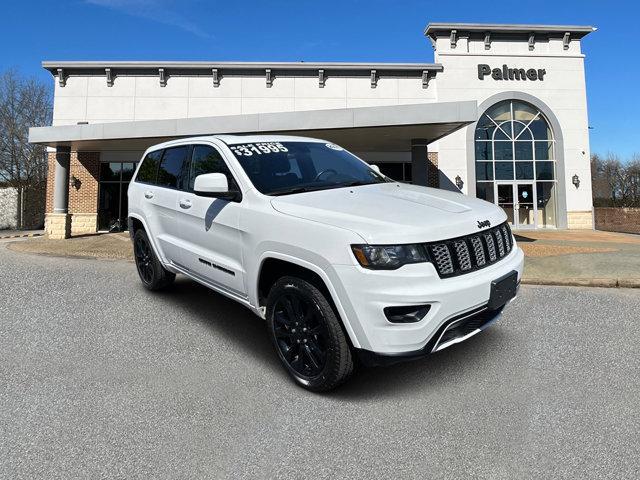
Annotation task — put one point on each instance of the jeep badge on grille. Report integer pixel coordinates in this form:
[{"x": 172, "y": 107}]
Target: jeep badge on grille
[{"x": 484, "y": 223}]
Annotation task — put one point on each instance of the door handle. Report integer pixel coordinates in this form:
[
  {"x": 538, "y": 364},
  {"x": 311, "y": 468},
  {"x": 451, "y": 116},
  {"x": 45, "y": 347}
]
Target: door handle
[
  {"x": 148, "y": 194},
  {"x": 184, "y": 203}
]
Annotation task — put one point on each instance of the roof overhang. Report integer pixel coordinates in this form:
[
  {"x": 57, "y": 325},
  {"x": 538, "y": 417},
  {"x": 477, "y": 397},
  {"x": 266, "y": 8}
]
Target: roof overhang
[
  {"x": 576, "y": 31},
  {"x": 387, "y": 128},
  {"x": 151, "y": 67}
]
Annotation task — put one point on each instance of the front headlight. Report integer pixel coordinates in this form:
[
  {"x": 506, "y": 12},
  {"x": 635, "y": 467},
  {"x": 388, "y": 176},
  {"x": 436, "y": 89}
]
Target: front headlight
[{"x": 389, "y": 257}]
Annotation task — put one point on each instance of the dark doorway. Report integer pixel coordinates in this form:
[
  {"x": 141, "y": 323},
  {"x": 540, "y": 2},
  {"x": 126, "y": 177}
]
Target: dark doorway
[{"x": 113, "y": 203}]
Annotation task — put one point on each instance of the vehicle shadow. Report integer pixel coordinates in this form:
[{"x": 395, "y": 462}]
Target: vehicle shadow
[
  {"x": 226, "y": 318},
  {"x": 439, "y": 370},
  {"x": 238, "y": 325},
  {"x": 522, "y": 239}
]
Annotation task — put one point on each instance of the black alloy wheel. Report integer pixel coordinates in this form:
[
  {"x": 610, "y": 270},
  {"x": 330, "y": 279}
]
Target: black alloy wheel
[
  {"x": 142, "y": 252},
  {"x": 300, "y": 334},
  {"x": 308, "y": 335},
  {"x": 153, "y": 275}
]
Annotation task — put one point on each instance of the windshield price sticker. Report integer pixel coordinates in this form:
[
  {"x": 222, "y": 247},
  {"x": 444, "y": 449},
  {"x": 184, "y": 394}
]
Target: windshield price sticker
[{"x": 262, "y": 148}]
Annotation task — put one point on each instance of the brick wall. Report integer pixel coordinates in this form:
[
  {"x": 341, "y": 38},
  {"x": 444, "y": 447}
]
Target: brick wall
[
  {"x": 433, "y": 179},
  {"x": 626, "y": 220},
  {"x": 51, "y": 174},
  {"x": 85, "y": 166}
]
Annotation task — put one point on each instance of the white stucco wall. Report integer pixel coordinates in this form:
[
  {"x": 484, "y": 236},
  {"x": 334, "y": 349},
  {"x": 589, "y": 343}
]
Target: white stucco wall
[
  {"x": 563, "y": 90},
  {"x": 89, "y": 99}
]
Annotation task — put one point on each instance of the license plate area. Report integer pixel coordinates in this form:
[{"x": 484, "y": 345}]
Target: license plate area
[{"x": 503, "y": 289}]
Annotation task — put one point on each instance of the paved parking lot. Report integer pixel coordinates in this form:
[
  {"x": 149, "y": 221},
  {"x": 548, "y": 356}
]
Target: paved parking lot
[{"x": 99, "y": 378}]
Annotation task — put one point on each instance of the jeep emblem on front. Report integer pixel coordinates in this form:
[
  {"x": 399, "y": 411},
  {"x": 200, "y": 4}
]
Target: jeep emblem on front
[{"x": 485, "y": 223}]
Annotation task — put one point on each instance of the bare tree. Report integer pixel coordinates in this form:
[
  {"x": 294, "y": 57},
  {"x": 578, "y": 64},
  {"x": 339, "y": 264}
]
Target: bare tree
[
  {"x": 632, "y": 170},
  {"x": 615, "y": 183},
  {"x": 24, "y": 103}
]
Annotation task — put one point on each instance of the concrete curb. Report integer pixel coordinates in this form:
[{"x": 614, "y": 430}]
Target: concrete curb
[
  {"x": 21, "y": 235},
  {"x": 585, "y": 282}
]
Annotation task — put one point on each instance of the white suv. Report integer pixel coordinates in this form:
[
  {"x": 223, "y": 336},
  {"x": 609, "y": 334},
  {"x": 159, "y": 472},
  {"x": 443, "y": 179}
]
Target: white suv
[{"x": 340, "y": 260}]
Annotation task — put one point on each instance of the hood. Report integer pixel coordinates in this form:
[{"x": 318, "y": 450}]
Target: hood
[{"x": 393, "y": 212}]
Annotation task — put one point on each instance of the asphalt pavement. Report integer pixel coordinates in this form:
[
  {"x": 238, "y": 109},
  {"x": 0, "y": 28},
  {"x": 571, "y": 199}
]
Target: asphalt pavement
[{"x": 101, "y": 379}]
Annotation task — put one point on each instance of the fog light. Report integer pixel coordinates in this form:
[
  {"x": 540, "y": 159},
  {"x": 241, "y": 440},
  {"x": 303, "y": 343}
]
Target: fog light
[{"x": 406, "y": 314}]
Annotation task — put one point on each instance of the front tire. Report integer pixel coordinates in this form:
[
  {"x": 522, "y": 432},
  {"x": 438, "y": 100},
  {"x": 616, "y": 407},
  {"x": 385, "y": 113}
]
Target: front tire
[
  {"x": 152, "y": 274},
  {"x": 307, "y": 335}
]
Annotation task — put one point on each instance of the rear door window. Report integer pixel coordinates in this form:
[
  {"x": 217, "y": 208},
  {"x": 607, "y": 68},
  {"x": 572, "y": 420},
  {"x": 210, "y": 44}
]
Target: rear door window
[
  {"x": 149, "y": 168},
  {"x": 173, "y": 162}
]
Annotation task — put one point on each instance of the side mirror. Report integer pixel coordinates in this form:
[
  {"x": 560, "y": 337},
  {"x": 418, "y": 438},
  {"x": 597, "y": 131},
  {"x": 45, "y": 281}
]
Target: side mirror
[
  {"x": 375, "y": 168},
  {"x": 214, "y": 185}
]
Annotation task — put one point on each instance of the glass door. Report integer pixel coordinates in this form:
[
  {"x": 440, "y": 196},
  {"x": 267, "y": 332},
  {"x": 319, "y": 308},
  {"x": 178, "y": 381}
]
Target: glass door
[
  {"x": 517, "y": 199},
  {"x": 525, "y": 206},
  {"x": 112, "y": 196},
  {"x": 505, "y": 200}
]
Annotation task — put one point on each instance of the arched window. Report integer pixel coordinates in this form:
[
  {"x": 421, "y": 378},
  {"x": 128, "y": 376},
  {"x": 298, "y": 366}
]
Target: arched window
[{"x": 514, "y": 144}]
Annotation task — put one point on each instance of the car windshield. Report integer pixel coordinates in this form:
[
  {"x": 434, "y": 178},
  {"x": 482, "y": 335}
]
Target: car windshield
[{"x": 282, "y": 168}]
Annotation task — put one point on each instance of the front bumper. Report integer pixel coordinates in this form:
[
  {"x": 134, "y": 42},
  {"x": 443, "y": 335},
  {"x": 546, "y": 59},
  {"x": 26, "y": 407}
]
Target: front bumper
[
  {"x": 365, "y": 294},
  {"x": 454, "y": 330}
]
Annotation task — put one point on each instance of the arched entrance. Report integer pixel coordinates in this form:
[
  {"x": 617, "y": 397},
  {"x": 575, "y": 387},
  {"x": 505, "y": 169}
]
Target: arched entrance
[{"x": 517, "y": 157}]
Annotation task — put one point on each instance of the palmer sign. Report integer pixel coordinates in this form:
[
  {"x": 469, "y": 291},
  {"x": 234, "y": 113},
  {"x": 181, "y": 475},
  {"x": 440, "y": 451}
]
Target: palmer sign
[{"x": 506, "y": 73}]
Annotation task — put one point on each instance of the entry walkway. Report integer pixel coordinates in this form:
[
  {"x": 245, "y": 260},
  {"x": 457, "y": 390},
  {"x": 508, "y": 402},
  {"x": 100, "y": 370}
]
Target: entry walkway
[
  {"x": 20, "y": 233},
  {"x": 580, "y": 257}
]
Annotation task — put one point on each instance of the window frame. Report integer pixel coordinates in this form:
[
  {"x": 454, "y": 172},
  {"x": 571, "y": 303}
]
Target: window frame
[{"x": 513, "y": 139}]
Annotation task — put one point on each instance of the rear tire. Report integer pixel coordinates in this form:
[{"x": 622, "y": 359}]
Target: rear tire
[
  {"x": 307, "y": 335},
  {"x": 152, "y": 274}
]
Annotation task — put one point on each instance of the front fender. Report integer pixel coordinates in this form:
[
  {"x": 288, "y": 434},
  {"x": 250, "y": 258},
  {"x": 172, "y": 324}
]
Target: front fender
[{"x": 317, "y": 264}]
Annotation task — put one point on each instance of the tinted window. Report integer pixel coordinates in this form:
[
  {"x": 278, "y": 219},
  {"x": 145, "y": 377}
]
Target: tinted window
[
  {"x": 208, "y": 160},
  {"x": 149, "y": 167},
  {"x": 127, "y": 170},
  {"x": 279, "y": 168},
  {"x": 110, "y": 172},
  {"x": 171, "y": 166},
  {"x": 397, "y": 171}
]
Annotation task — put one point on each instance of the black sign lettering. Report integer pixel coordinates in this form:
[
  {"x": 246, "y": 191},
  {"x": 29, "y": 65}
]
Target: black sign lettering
[
  {"x": 483, "y": 70},
  {"x": 506, "y": 73}
]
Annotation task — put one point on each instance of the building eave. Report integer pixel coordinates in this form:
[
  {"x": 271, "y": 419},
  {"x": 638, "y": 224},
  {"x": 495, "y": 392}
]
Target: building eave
[
  {"x": 577, "y": 31},
  {"x": 190, "y": 66}
]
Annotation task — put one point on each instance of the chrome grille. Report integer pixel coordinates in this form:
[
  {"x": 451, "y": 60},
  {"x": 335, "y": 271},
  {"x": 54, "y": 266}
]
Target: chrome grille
[
  {"x": 478, "y": 251},
  {"x": 507, "y": 236},
  {"x": 499, "y": 241},
  {"x": 471, "y": 252},
  {"x": 491, "y": 247},
  {"x": 442, "y": 257},
  {"x": 462, "y": 253}
]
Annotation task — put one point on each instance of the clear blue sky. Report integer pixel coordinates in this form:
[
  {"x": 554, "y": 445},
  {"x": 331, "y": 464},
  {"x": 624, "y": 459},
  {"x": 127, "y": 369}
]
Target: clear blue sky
[{"x": 347, "y": 30}]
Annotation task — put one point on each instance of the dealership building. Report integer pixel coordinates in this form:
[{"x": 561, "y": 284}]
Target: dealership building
[{"x": 501, "y": 114}]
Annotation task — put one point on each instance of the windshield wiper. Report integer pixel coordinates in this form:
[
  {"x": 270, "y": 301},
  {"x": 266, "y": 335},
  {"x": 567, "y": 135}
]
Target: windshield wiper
[
  {"x": 356, "y": 183},
  {"x": 288, "y": 191},
  {"x": 292, "y": 190}
]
